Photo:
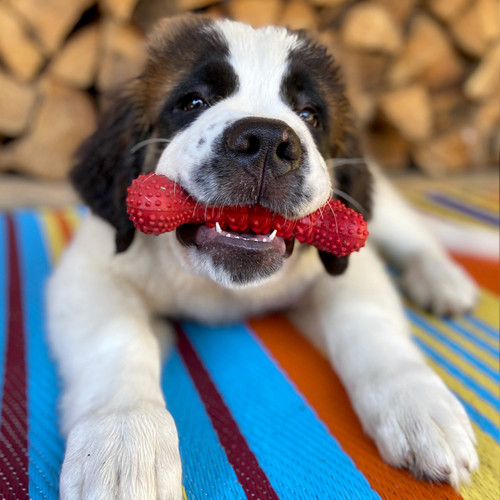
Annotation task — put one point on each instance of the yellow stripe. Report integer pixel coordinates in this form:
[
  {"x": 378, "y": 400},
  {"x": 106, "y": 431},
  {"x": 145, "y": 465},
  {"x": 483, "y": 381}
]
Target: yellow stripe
[
  {"x": 487, "y": 309},
  {"x": 425, "y": 205},
  {"x": 485, "y": 482},
  {"x": 458, "y": 362},
  {"x": 464, "y": 392},
  {"x": 474, "y": 198},
  {"x": 55, "y": 237},
  {"x": 478, "y": 333},
  {"x": 490, "y": 360}
]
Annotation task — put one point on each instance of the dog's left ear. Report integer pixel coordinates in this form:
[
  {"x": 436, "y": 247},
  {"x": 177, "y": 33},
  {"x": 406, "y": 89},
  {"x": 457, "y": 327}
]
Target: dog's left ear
[
  {"x": 353, "y": 186},
  {"x": 106, "y": 164}
]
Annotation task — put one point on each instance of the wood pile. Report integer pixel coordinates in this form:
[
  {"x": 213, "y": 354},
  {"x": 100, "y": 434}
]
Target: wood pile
[{"x": 423, "y": 75}]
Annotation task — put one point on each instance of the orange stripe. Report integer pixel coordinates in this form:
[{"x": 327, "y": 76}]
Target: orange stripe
[
  {"x": 64, "y": 226},
  {"x": 316, "y": 381},
  {"x": 485, "y": 272}
]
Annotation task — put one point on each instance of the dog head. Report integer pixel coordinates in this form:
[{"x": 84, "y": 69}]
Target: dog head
[{"x": 236, "y": 116}]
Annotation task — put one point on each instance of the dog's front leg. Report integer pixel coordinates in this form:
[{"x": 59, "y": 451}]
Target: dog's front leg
[
  {"x": 417, "y": 423},
  {"x": 121, "y": 441}
]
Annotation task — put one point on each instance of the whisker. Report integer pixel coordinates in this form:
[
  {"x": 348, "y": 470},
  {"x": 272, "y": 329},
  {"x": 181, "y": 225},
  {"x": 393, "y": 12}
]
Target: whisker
[
  {"x": 141, "y": 144},
  {"x": 350, "y": 199}
]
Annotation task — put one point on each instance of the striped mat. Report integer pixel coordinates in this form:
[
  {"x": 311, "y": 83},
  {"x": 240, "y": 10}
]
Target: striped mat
[{"x": 260, "y": 413}]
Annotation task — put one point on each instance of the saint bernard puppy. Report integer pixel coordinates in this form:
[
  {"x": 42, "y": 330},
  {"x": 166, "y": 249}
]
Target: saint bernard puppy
[{"x": 239, "y": 116}]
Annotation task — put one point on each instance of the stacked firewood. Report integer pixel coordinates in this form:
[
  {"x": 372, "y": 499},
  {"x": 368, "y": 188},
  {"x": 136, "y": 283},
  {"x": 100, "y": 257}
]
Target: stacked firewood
[{"x": 422, "y": 75}]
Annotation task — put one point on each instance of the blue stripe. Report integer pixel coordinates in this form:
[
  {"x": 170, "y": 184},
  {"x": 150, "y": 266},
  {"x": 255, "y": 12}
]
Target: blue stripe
[
  {"x": 493, "y": 350},
  {"x": 459, "y": 375},
  {"x": 45, "y": 443},
  {"x": 458, "y": 349},
  {"x": 300, "y": 457},
  {"x": 484, "y": 423},
  {"x": 198, "y": 441},
  {"x": 3, "y": 298},
  {"x": 479, "y": 323},
  {"x": 483, "y": 215}
]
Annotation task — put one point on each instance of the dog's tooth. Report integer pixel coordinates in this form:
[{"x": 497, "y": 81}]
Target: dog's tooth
[
  {"x": 272, "y": 235},
  {"x": 218, "y": 228},
  {"x": 264, "y": 240}
]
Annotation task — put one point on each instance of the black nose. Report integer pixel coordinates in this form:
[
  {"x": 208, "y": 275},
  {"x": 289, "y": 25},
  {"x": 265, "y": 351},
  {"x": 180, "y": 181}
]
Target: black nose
[{"x": 258, "y": 143}]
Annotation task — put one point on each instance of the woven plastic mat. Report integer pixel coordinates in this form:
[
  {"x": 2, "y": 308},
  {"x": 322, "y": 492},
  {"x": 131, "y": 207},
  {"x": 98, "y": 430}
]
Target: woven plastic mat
[{"x": 259, "y": 411}]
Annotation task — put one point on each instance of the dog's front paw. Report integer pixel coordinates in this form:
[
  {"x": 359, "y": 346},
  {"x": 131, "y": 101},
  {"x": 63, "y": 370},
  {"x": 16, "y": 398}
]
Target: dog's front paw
[
  {"x": 127, "y": 455},
  {"x": 418, "y": 424},
  {"x": 439, "y": 285}
]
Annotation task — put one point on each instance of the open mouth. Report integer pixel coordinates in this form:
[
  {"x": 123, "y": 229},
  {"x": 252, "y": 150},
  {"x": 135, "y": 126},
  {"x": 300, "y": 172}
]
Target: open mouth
[{"x": 203, "y": 237}]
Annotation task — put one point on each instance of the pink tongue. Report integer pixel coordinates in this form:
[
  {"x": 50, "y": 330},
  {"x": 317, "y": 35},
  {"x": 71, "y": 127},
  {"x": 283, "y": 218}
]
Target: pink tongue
[{"x": 248, "y": 241}]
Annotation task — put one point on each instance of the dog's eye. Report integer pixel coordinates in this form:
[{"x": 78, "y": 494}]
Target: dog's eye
[
  {"x": 310, "y": 116},
  {"x": 191, "y": 102}
]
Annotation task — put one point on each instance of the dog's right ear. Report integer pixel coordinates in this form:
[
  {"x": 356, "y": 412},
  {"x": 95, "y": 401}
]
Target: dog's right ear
[{"x": 106, "y": 164}]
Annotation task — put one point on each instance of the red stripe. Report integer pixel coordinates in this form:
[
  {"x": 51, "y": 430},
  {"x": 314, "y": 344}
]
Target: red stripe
[
  {"x": 14, "y": 416},
  {"x": 252, "y": 478}
]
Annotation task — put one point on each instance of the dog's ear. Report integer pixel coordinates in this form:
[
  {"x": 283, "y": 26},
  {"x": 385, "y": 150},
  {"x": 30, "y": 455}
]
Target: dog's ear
[
  {"x": 106, "y": 164},
  {"x": 353, "y": 186}
]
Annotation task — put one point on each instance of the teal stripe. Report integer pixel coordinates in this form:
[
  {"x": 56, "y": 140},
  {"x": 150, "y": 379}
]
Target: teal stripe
[
  {"x": 295, "y": 449},
  {"x": 468, "y": 382},
  {"x": 483, "y": 422},
  {"x": 488, "y": 348},
  {"x": 479, "y": 323},
  {"x": 45, "y": 447},
  {"x": 206, "y": 469},
  {"x": 3, "y": 298},
  {"x": 454, "y": 346}
]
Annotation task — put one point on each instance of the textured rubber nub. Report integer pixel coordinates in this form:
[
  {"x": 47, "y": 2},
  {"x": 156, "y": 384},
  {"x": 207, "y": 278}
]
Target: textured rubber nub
[{"x": 156, "y": 205}]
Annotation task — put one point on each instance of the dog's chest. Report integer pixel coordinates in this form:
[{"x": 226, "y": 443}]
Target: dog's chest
[{"x": 172, "y": 291}]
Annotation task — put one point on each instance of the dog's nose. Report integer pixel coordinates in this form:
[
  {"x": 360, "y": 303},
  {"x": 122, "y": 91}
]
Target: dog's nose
[{"x": 264, "y": 143}]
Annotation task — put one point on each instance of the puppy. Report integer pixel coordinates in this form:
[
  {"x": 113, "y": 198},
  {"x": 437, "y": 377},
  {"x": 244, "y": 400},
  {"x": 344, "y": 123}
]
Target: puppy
[{"x": 239, "y": 116}]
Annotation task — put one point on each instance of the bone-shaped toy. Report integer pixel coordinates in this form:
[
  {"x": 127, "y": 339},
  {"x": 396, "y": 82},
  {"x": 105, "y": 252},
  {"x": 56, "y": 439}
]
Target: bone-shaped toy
[{"x": 156, "y": 205}]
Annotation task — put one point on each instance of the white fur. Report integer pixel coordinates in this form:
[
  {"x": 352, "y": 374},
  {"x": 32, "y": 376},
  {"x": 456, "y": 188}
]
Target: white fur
[{"x": 121, "y": 441}]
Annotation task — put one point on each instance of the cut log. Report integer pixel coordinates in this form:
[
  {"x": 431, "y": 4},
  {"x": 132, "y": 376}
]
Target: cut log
[
  {"x": 16, "y": 102},
  {"x": 298, "y": 14},
  {"x": 51, "y": 20},
  {"x": 76, "y": 64},
  {"x": 446, "y": 10},
  {"x": 65, "y": 117},
  {"x": 370, "y": 27},
  {"x": 255, "y": 12},
  {"x": 486, "y": 122},
  {"x": 327, "y": 3},
  {"x": 428, "y": 57},
  {"x": 195, "y": 4},
  {"x": 485, "y": 80},
  {"x": 477, "y": 27},
  {"x": 123, "y": 55},
  {"x": 449, "y": 152},
  {"x": 362, "y": 103},
  {"x": 449, "y": 107},
  {"x": 400, "y": 11},
  {"x": 120, "y": 10},
  {"x": 19, "y": 53},
  {"x": 387, "y": 147},
  {"x": 369, "y": 69},
  {"x": 409, "y": 110}
]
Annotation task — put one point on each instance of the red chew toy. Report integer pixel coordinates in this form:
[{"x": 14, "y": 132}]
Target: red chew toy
[{"x": 156, "y": 205}]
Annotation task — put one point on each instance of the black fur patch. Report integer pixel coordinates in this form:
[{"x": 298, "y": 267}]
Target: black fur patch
[
  {"x": 105, "y": 167},
  {"x": 105, "y": 164}
]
